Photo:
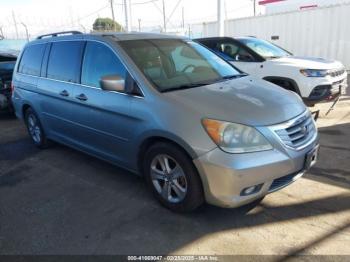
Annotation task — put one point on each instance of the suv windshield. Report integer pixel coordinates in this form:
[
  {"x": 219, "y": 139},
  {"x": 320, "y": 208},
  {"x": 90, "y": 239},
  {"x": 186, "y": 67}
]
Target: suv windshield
[
  {"x": 264, "y": 48},
  {"x": 173, "y": 64}
]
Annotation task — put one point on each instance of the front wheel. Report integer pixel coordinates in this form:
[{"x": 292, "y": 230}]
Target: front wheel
[{"x": 173, "y": 178}]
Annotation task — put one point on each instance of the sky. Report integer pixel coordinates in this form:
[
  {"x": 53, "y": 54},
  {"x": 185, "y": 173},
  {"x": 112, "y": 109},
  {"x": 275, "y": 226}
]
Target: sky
[{"x": 44, "y": 16}]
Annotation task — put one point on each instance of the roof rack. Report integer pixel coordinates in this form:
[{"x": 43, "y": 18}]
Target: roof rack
[{"x": 60, "y": 33}]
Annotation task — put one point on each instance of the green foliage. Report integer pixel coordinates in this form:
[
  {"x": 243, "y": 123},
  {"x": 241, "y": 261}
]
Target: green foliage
[{"x": 106, "y": 24}]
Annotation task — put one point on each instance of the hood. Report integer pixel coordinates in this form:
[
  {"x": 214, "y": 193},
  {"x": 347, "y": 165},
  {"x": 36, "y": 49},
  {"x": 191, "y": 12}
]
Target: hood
[
  {"x": 246, "y": 100},
  {"x": 308, "y": 62}
]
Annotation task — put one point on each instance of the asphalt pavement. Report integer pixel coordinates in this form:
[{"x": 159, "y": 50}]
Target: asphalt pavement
[{"x": 61, "y": 201}]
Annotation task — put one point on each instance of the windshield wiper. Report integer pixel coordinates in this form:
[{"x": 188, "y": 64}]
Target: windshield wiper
[
  {"x": 273, "y": 57},
  {"x": 182, "y": 87},
  {"x": 188, "y": 86},
  {"x": 229, "y": 77},
  {"x": 234, "y": 76}
]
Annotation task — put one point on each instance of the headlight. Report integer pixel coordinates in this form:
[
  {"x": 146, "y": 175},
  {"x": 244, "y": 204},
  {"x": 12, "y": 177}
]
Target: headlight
[
  {"x": 235, "y": 138},
  {"x": 314, "y": 72}
]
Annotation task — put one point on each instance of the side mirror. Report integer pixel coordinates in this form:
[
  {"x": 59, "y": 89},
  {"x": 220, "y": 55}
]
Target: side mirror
[{"x": 112, "y": 83}]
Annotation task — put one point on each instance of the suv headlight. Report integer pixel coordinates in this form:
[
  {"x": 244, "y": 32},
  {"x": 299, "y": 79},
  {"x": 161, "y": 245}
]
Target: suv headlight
[
  {"x": 235, "y": 138},
  {"x": 314, "y": 72}
]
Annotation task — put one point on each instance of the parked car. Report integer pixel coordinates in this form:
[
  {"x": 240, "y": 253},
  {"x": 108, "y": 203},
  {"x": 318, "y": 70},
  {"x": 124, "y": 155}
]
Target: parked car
[
  {"x": 12, "y": 46},
  {"x": 7, "y": 64},
  {"x": 314, "y": 79},
  {"x": 166, "y": 108}
]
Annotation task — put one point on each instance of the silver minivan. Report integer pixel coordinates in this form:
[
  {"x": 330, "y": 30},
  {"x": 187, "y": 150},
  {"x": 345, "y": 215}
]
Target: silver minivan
[{"x": 167, "y": 108}]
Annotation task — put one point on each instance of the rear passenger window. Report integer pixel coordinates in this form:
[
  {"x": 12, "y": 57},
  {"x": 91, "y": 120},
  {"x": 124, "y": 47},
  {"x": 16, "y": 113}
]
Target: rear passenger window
[
  {"x": 99, "y": 61},
  {"x": 31, "y": 60},
  {"x": 64, "y": 61}
]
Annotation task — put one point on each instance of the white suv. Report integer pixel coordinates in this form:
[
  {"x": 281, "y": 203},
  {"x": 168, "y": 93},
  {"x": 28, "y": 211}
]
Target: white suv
[{"x": 314, "y": 79}]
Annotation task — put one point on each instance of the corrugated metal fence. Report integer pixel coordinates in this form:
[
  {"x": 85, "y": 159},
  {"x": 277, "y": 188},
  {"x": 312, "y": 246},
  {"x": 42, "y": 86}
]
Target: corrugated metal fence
[{"x": 323, "y": 32}]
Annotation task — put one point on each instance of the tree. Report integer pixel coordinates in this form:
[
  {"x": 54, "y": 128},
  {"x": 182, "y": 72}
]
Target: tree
[{"x": 106, "y": 24}]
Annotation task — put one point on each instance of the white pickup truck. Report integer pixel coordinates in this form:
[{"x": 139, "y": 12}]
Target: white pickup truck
[{"x": 314, "y": 79}]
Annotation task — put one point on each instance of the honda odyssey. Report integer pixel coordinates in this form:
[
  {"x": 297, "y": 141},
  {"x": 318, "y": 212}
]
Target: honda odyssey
[{"x": 167, "y": 108}]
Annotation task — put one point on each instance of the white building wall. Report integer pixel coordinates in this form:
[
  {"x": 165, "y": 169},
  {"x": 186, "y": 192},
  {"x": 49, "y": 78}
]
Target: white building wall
[
  {"x": 322, "y": 32},
  {"x": 204, "y": 29},
  {"x": 295, "y": 5}
]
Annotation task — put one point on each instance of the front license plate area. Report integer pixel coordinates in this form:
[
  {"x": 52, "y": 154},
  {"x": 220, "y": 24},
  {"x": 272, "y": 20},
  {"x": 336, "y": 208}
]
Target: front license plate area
[{"x": 311, "y": 158}]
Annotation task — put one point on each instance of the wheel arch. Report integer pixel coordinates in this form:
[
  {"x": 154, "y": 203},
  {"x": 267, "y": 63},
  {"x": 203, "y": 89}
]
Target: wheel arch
[
  {"x": 159, "y": 137},
  {"x": 25, "y": 107},
  {"x": 286, "y": 79}
]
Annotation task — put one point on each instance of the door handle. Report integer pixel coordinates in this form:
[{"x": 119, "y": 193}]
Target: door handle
[
  {"x": 64, "y": 93},
  {"x": 81, "y": 97}
]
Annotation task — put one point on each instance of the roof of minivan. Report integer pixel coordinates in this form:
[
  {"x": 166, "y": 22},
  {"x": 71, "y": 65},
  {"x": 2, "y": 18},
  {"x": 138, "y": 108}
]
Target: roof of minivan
[
  {"x": 115, "y": 36},
  {"x": 139, "y": 36}
]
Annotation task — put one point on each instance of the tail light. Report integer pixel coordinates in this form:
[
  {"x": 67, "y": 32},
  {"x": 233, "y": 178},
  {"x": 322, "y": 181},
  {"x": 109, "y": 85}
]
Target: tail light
[{"x": 12, "y": 87}]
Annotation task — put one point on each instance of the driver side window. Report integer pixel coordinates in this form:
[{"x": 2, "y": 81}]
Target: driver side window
[
  {"x": 234, "y": 52},
  {"x": 228, "y": 49},
  {"x": 99, "y": 61}
]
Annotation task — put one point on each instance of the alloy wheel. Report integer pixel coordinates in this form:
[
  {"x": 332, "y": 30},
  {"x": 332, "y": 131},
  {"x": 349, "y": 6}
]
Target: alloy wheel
[
  {"x": 168, "y": 178},
  {"x": 34, "y": 128}
]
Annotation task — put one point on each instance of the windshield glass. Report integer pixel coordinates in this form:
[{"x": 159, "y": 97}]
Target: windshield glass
[
  {"x": 172, "y": 64},
  {"x": 264, "y": 48},
  {"x": 11, "y": 46}
]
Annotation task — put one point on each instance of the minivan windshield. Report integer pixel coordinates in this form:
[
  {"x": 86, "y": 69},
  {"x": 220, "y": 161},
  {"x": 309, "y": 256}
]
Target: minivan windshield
[
  {"x": 264, "y": 48},
  {"x": 173, "y": 64}
]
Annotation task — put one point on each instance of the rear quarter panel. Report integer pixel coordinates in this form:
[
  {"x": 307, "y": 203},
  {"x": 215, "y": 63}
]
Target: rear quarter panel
[{"x": 25, "y": 93}]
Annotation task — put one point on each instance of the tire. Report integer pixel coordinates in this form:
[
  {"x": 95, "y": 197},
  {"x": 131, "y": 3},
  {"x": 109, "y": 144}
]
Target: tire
[
  {"x": 172, "y": 178},
  {"x": 286, "y": 84},
  {"x": 35, "y": 130}
]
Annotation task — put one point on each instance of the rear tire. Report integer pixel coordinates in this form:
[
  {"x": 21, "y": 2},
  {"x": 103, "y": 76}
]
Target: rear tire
[
  {"x": 173, "y": 178},
  {"x": 35, "y": 130}
]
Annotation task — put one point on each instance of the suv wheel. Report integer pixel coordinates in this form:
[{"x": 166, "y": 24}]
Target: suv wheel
[
  {"x": 35, "y": 129},
  {"x": 173, "y": 178}
]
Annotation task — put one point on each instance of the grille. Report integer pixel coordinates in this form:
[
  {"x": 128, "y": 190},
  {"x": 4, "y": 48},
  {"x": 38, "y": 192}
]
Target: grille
[
  {"x": 283, "y": 181},
  {"x": 297, "y": 133},
  {"x": 337, "y": 72}
]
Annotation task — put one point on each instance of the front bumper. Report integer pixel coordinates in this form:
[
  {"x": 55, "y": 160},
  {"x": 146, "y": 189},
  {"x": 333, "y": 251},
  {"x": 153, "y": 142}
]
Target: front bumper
[
  {"x": 327, "y": 90},
  {"x": 224, "y": 175}
]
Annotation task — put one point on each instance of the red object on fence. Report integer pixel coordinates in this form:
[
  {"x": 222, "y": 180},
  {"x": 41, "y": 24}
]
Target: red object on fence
[
  {"x": 308, "y": 6},
  {"x": 265, "y": 2}
]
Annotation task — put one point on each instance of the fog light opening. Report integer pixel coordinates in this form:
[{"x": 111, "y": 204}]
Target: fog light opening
[{"x": 251, "y": 190}]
